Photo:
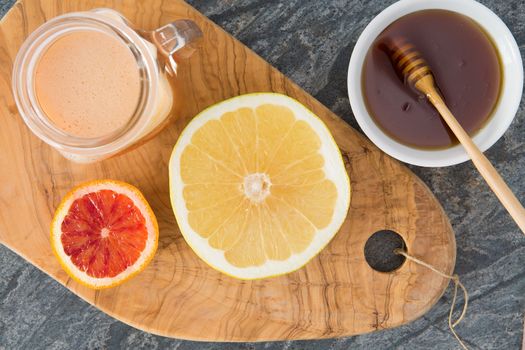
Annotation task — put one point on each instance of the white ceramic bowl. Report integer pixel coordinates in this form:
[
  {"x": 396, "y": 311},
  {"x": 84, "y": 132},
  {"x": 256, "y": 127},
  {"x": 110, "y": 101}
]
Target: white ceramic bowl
[{"x": 504, "y": 112}]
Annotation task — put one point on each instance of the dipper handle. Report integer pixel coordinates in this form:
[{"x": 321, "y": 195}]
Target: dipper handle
[{"x": 413, "y": 68}]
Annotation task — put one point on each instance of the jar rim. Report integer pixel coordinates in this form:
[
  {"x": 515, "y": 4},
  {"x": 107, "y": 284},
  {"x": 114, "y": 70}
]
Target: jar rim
[{"x": 32, "y": 49}]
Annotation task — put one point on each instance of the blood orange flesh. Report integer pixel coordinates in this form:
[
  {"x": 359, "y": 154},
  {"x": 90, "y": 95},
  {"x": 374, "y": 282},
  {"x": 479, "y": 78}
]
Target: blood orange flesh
[{"x": 103, "y": 233}]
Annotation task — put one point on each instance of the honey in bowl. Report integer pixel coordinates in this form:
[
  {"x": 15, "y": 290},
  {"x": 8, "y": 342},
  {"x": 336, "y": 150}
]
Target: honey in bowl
[{"x": 466, "y": 68}]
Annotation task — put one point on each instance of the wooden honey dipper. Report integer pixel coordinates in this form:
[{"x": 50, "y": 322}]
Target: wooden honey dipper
[{"x": 415, "y": 71}]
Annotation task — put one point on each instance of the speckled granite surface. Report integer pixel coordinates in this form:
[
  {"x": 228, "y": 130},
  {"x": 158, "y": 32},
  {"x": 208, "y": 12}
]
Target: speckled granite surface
[{"x": 311, "y": 41}]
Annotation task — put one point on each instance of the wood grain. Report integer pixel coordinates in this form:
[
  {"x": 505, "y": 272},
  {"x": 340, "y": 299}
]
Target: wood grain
[{"x": 336, "y": 294}]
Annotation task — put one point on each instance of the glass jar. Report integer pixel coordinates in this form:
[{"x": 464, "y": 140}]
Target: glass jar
[{"x": 153, "y": 52}]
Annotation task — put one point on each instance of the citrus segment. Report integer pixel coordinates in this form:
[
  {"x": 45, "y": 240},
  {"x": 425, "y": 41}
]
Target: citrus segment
[
  {"x": 209, "y": 139},
  {"x": 208, "y": 221},
  {"x": 248, "y": 249},
  {"x": 297, "y": 230},
  {"x": 300, "y": 142},
  {"x": 258, "y": 185},
  {"x": 273, "y": 124},
  {"x": 104, "y": 232},
  {"x": 241, "y": 126},
  {"x": 199, "y": 167},
  {"x": 319, "y": 209}
]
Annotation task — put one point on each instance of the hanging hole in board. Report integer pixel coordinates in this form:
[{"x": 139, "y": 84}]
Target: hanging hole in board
[{"x": 379, "y": 251}]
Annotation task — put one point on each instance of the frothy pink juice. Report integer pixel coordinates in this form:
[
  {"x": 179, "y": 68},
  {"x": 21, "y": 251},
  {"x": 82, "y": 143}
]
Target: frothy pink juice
[
  {"x": 92, "y": 86},
  {"x": 88, "y": 84}
]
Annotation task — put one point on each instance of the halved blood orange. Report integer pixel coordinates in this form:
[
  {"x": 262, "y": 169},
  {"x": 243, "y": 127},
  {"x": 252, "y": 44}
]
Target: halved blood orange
[{"x": 103, "y": 233}]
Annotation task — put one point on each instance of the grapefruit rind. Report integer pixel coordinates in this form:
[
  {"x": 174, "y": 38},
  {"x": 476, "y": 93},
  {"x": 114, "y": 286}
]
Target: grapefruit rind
[
  {"x": 138, "y": 200},
  {"x": 333, "y": 167}
]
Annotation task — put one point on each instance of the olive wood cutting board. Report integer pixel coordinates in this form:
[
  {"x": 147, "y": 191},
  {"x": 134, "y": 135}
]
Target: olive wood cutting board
[{"x": 177, "y": 295}]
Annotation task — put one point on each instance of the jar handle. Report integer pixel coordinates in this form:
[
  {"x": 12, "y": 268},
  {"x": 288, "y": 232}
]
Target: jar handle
[{"x": 180, "y": 37}]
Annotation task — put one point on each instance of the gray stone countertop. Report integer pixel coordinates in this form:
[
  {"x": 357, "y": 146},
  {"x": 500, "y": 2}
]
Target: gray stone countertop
[{"x": 310, "y": 41}]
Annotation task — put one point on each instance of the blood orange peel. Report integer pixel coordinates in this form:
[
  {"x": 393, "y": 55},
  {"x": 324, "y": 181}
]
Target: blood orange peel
[{"x": 103, "y": 233}]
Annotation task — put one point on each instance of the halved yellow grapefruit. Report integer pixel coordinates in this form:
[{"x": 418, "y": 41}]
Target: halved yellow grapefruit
[
  {"x": 258, "y": 185},
  {"x": 103, "y": 233}
]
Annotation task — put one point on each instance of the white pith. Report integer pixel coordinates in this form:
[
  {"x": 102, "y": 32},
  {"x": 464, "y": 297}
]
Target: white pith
[
  {"x": 333, "y": 168},
  {"x": 256, "y": 187},
  {"x": 104, "y": 233}
]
